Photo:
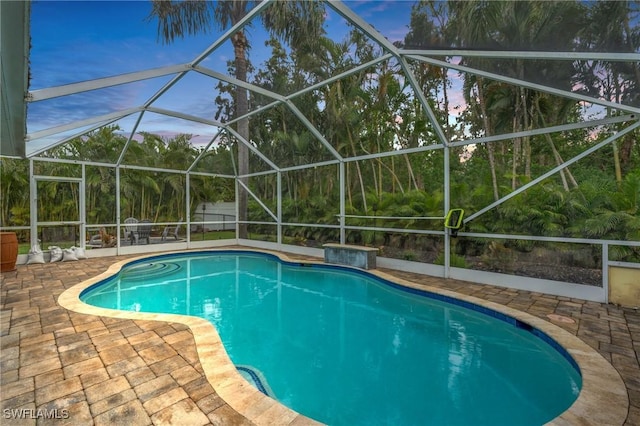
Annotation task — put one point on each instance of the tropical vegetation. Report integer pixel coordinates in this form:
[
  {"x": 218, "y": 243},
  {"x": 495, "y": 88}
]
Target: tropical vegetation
[{"x": 376, "y": 110}]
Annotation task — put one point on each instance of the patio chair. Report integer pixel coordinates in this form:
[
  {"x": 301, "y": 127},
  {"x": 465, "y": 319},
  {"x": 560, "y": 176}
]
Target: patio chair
[
  {"x": 172, "y": 230},
  {"x": 131, "y": 229},
  {"x": 95, "y": 241},
  {"x": 144, "y": 231}
]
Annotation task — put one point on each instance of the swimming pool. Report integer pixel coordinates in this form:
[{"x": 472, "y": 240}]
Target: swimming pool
[{"x": 345, "y": 347}]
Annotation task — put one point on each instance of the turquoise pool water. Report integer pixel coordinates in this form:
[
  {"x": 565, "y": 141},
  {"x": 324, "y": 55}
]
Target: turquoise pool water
[{"x": 347, "y": 348}]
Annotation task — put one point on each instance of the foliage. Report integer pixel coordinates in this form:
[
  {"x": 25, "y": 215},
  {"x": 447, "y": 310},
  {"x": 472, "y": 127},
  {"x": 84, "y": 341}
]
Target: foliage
[
  {"x": 376, "y": 110},
  {"x": 144, "y": 194},
  {"x": 455, "y": 260}
]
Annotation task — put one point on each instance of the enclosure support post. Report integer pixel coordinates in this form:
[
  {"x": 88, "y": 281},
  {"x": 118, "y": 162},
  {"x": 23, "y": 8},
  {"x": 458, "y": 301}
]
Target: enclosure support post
[
  {"x": 447, "y": 206},
  {"x": 342, "y": 204},
  {"x": 83, "y": 207},
  {"x": 187, "y": 210},
  {"x": 605, "y": 271},
  {"x": 118, "y": 241},
  {"x": 33, "y": 206},
  {"x": 237, "y": 206},
  {"x": 279, "y": 207}
]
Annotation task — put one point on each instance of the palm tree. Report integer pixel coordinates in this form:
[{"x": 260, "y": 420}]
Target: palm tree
[
  {"x": 297, "y": 22},
  {"x": 616, "y": 216},
  {"x": 615, "y": 81}
]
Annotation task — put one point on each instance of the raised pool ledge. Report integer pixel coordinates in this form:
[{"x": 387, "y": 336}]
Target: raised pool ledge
[
  {"x": 603, "y": 398},
  {"x": 349, "y": 255}
]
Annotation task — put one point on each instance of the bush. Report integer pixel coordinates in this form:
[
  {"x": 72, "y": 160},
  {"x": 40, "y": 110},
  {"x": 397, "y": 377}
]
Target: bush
[{"x": 455, "y": 260}]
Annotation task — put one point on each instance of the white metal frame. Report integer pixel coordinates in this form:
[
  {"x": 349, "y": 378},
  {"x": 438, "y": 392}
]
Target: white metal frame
[
  {"x": 33, "y": 204},
  {"x": 403, "y": 58}
]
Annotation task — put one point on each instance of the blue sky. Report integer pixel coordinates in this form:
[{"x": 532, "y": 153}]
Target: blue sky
[{"x": 81, "y": 40}]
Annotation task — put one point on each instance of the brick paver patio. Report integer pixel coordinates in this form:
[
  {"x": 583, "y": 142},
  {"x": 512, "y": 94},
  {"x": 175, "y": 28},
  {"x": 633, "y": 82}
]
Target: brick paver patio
[{"x": 98, "y": 370}]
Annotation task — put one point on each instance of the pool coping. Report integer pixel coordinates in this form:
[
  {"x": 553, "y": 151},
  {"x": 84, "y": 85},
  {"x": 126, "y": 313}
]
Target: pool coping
[{"x": 603, "y": 398}]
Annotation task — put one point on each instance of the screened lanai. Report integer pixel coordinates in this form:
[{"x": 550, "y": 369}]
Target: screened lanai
[{"x": 288, "y": 126}]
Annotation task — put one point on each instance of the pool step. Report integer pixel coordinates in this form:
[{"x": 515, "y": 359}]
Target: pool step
[{"x": 256, "y": 378}]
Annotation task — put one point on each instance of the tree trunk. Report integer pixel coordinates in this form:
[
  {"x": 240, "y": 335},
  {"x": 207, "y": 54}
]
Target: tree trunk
[
  {"x": 362, "y": 190},
  {"x": 616, "y": 162},
  {"x": 375, "y": 179},
  {"x": 242, "y": 107},
  {"x": 526, "y": 145},
  {"x": 564, "y": 173},
  {"x": 412, "y": 177},
  {"x": 348, "y": 185},
  {"x": 393, "y": 170},
  {"x": 488, "y": 132},
  {"x": 445, "y": 96}
]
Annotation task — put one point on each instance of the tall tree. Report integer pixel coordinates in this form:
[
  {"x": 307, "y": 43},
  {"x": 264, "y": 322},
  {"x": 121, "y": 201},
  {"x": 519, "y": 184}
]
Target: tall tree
[
  {"x": 297, "y": 22},
  {"x": 519, "y": 26},
  {"x": 611, "y": 80}
]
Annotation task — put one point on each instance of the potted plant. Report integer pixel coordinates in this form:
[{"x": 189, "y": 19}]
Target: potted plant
[{"x": 8, "y": 251}]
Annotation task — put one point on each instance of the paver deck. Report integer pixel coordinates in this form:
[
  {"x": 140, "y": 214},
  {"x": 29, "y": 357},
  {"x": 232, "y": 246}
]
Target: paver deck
[{"x": 86, "y": 369}]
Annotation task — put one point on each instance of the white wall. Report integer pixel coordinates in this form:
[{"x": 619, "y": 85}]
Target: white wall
[{"x": 215, "y": 212}]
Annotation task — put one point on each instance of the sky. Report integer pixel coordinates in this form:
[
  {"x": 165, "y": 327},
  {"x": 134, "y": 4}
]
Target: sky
[{"x": 80, "y": 40}]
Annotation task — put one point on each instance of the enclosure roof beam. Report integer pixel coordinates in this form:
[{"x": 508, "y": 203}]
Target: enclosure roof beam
[
  {"x": 257, "y": 10},
  {"x": 39, "y": 151},
  {"x": 340, "y": 76},
  {"x": 396, "y": 152},
  {"x": 130, "y": 138},
  {"x": 348, "y": 14},
  {"x": 183, "y": 116},
  {"x": 555, "y": 170},
  {"x": 534, "y": 86},
  {"x": 82, "y": 123},
  {"x": 311, "y": 165},
  {"x": 546, "y": 130},
  {"x": 202, "y": 56},
  {"x": 164, "y": 89},
  {"x": 204, "y": 151},
  {"x": 315, "y": 86},
  {"x": 251, "y": 87},
  {"x": 100, "y": 83},
  {"x": 255, "y": 174},
  {"x": 423, "y": 101},
  {"x": 513, "y": 54},
  {"x": 254, "y": 112},
  {"x": 366, "y": 27},
  {"x": 252, "y": 148},
  {"x": 313, "y": 130}
]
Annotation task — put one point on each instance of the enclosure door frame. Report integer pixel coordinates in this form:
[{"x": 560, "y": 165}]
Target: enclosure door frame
[{"x": 33, "y": 189}]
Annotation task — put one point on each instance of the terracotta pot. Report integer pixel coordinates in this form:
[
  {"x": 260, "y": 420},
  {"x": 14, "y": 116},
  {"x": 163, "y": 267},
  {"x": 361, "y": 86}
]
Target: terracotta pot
[{"x": 8, "y": 251}]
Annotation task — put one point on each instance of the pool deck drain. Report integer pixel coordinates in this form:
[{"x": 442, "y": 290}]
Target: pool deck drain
[{"x": 98, "y": 370}]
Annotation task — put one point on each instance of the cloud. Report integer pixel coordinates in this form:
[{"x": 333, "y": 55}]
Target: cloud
[{"x": 81, "y": 106}]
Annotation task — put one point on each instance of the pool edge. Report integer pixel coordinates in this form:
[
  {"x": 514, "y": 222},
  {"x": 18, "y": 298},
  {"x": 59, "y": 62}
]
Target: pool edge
[{"x": 603, "y": 398}]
